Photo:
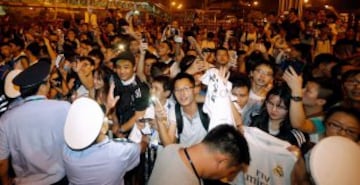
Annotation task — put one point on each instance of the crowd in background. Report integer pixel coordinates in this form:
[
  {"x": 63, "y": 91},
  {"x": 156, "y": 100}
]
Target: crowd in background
[{"x": 297, "y": 79}]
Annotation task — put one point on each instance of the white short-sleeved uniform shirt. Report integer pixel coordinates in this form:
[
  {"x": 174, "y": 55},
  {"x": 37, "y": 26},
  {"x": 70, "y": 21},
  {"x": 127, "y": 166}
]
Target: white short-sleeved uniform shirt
[
  {"x": 32, "y": 134},
  {"x": 102, "y": 163}
]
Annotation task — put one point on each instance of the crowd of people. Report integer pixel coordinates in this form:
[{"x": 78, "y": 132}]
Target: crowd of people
[{"x": 118, "y": 101}]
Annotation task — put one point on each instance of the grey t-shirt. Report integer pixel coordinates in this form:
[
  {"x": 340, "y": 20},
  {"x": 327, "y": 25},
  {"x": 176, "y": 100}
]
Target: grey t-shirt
[{"x": 170, "y": 169}]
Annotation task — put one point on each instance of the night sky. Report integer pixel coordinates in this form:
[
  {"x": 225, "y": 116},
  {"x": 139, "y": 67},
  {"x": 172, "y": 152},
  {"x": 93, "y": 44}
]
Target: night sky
[{"x": 272, "y": 4}]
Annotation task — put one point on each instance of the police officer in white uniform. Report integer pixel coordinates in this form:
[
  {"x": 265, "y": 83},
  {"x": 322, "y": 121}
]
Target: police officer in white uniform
[
  {"x": 90, "y": 157},
  {"x": 32, "y": 133}
]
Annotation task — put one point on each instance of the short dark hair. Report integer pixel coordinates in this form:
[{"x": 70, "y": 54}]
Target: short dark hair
[
  {"x": 90, "y": 60},
  {"x": 182, "y": 76},
  {"x": 186, "y": 62},
  {"x": 240, "y": 80},
  {"x": 18, "y": 42},
  {"x": 348, "y": 110},
  {"x": 324, "y": 58},
  {"x": 169, "y": 45},
  {"x": 255, "y": 59},
  {"x": 34, "y": 49},
  {"x": 97, "y": 54},
  {"x": 265, "y": 62},
  {"x": 220, "y": 49},
  {"x": 229, "y": 141},
  {"x": 165, "y": 81},
  {"x": 349, "y": 74}
]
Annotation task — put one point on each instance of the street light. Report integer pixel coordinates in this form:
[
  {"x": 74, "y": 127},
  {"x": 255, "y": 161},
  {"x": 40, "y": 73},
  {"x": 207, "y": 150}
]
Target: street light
[
  {"x": 2, "y": 11},
  {"x": 176, "y": 5},
  {"x": 256, "y": 3}
]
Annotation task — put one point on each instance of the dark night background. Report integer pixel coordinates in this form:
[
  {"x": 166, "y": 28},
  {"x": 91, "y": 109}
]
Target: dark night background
[{"x": 273, "y": 4}]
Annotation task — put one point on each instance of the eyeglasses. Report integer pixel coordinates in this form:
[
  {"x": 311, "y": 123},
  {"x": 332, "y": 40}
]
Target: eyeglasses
[
  {"x": 338, "y": 128},
  {"x": 271, "y": 105},
  {"x": 351, "y": 83},
  {"x": 263, "y": 72},
  {"x": 184, "y": 89}
]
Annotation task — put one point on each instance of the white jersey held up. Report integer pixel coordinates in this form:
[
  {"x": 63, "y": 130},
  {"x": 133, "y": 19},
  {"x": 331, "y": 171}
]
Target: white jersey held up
[
  {"x": 271, "y": 163},
  {"x": 217, "y": 101}
]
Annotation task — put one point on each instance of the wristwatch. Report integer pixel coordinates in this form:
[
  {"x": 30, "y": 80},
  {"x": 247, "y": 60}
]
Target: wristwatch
[{"x": 296, "y": 98}]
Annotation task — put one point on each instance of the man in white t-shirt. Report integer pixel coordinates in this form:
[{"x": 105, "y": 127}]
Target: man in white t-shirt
[{"x": 187, "y": 122}]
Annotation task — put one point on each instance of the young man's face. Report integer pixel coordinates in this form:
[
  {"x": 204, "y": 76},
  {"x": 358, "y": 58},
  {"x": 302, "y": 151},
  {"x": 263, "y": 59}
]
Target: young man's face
[
  {"x": 242, "y": 95},
  {"x": 124, "y": 69},
  {"x": 351, "y": 88},
  {"x": 184, "y": 92},
  {"x": 163, "y": 49},
  {"x": 343, "y": 124},
  {"x": 158, "y": 91},
  {"x": 134, "y": 47},
  {"x": 85, "y": 67},
  {"x": 5, "y": 50},
  {"x": 310, "y": 93},
  {"x": 14, "y": 48},
  {"x": 262, "y": 75},
  {"x": 222, "y": 57}
]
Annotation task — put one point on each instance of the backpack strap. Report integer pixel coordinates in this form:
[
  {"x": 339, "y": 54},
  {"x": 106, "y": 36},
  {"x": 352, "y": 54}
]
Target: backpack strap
[
  {"x": 205, "y": 120},
  {"x": 179, "y": 119}
]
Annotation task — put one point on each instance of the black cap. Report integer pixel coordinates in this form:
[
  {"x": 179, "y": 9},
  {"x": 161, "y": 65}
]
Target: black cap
[
  {"x": 34, "y": 74},
  {"x": 124, "y": 56}
]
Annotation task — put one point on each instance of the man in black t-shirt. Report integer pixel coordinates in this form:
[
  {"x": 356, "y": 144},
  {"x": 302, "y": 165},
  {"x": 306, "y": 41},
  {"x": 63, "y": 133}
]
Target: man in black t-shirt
[{"x": 134, "y": 94}]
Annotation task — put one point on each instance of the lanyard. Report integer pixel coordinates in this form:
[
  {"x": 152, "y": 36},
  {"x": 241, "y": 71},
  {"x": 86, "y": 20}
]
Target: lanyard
[{"x": 192, "y": 165}]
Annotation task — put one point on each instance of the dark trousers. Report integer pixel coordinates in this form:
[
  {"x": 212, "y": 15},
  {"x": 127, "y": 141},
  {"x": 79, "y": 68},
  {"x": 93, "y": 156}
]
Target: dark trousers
[
  {"x": 136, "y": 176},
  {"x": 63, "y": 181}
]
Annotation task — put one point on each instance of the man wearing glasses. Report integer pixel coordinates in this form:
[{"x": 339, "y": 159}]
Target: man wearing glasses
[{"x": 193, "y": 129}]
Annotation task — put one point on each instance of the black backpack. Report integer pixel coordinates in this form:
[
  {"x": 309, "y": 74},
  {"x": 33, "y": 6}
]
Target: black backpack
[{"x": 179, "y": 119}]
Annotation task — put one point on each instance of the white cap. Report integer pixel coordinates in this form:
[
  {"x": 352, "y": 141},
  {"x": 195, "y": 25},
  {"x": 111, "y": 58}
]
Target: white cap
[
  {"x": 83, "y": 123},
  {"x": 12, "y": 90},
  {"x": 335, "y": 160}
]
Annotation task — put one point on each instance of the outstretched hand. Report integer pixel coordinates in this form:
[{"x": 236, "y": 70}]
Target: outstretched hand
[
  {"x": 293, "y": 80},
  {"x": 111, "y": 100}
]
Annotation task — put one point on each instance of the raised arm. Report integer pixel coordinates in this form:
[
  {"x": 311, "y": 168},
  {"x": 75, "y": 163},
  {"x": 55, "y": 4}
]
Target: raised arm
[{"x": 297, "y": 113}]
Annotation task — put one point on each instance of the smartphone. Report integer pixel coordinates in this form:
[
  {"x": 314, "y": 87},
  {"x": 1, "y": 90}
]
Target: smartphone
[{"x": 297, "y": 65}]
